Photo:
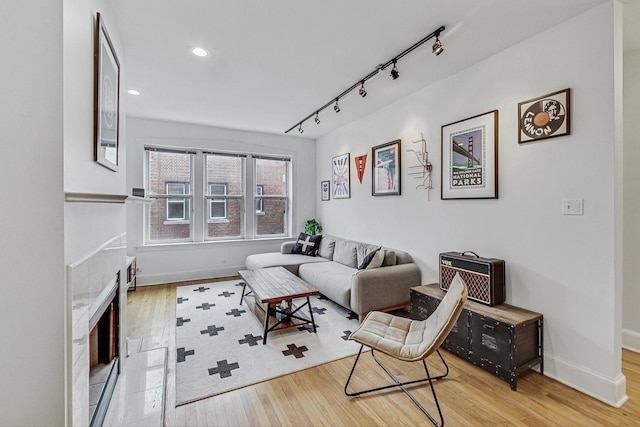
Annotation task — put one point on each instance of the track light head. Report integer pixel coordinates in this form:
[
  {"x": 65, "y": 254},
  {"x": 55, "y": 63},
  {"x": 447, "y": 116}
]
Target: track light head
[
  {"x": 336, "y": 107},
  {"x": 300, "y": 128},
  {"x": 362, "y": 90},
  {"x": 394, "y": 71},
  {"x": 437, "y": 48},
  {"x": 317, "y": 119}
]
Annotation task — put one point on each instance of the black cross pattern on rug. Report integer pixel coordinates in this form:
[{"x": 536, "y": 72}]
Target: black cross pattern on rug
[
  {"x": 226, "y": 294},
  {"x": 235, "y": 312},
  {"x": 240, "y": 284},
  {"x": 181, "y": 321},
  {"x": 201, "y": 289},
  {"x": 182, "y": 354},
  {"x": 346, "y": 335},
  {"x": 205, "y": 306},
  {"x": 319, "y": 311},
  {"x": 307, "y": 327},
  {"x": 352, "y": 316},
  {"x": 181, "y": 300},
  {"x": 212, "y": 330},
  {"x": 251, "y": 340},
  {"x": 322, "y": 297},
  {"x": 224, "y": 368},
  {"x": 294, "y": 350}
]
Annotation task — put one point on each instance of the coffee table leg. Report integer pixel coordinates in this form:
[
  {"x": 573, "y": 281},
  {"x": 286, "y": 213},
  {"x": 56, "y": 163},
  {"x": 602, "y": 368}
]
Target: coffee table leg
[
  {"x": 244, "y": 286},
  {"x": 313, "y": 323},
  {"x": 266, "y": 323}
]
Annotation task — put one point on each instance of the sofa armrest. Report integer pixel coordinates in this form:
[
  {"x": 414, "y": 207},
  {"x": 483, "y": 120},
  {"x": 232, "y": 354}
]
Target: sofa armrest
[
  {"x": 381, "y": 288},
  {"x": 287, "y": 247}
]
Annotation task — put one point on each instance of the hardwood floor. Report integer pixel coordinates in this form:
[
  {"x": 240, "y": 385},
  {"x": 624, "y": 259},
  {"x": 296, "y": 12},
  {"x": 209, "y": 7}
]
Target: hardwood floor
[{"x": 315, "y": 397}]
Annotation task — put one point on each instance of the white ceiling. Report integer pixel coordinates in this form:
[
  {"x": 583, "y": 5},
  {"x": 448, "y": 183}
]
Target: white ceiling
[{"x": 274, "y": 62}]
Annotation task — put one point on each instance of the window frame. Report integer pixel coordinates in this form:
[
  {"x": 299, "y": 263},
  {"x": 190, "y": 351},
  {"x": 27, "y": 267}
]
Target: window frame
[
  {"x": 186, "y": 202},
  {"x": 210, "y": 217}
]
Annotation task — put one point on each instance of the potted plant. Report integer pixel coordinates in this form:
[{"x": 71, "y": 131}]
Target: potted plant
[{"x": 312, "y": 226}]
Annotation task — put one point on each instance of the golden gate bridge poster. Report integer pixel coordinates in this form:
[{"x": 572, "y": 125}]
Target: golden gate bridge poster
[{"x": 469, "y": 158}]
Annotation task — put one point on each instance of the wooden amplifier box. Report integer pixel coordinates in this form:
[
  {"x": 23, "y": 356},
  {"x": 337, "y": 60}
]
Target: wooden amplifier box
[{"x": 484, "y": 276}]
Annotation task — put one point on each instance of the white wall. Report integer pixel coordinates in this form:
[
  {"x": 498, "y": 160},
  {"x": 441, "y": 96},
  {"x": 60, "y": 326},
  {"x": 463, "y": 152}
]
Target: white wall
[
  {"x": 178, "y": 262},
  {"x": 31, "y": 225},
  {"x": 561, "y": 266},
  {"x": 631, "y": 315}
]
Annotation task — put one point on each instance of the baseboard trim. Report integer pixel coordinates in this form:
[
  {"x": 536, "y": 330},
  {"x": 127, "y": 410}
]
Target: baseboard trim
[
  {"x": 611, "y": 391},
  {"x": 185, "y": 275},
  {"x": 631, "y": 340}
]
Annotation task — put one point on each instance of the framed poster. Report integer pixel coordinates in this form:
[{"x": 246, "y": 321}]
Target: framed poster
[
  {"x": 386, "y": 169},
  {"x": 470, "y": 158},
  {"x": 545, "y": 117},
  {"x": 106, "y": 104},
  {"x": 340, "y": 171},
  {"x": 324, "y": 191}
]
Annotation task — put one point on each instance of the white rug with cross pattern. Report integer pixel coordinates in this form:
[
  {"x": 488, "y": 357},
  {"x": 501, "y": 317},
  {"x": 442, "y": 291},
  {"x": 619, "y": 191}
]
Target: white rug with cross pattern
[{"x": 219, "y": 342}]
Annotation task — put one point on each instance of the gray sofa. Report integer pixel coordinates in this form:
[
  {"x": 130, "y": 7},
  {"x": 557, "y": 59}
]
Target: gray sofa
[{"x": 334, "y": 272}]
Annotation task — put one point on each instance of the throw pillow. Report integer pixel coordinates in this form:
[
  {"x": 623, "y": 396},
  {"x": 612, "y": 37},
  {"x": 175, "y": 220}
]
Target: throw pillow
[
  {"x": 377, "y": 260},
  {"x": 306, "y": 244},
  {"x": 389, "y": 258},
  {"x": 327, "y": 246},
  {"x": 367, "y": 259}
]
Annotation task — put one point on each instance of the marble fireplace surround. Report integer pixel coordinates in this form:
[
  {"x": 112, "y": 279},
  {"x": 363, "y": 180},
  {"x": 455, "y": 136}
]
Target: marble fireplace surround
[{"x": 92, "y": 283}]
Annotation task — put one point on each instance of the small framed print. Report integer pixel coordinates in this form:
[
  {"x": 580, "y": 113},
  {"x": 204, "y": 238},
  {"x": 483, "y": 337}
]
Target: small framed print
[
  {"x": 324, "y": 191},
  {"x": 340, "y": 167},
  {"x": 470, "y": 158},
  {"x": 386, "y": 169},
  {"x": 545, "y": 117}
]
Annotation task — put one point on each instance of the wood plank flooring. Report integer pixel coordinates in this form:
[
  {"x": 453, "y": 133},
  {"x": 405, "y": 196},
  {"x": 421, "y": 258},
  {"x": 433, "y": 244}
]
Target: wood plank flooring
[{"x": 315, "y": 397}]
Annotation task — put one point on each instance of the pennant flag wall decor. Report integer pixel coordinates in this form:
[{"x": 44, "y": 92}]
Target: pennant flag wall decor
[{"x": 361, "y": 163}]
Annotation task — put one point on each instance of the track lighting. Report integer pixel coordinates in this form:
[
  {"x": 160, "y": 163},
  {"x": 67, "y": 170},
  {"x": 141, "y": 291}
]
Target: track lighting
[
  {"x": 437, "y": 49},
  {"x": 362, "y": 90},
  {"x": 394, "y": 71}
]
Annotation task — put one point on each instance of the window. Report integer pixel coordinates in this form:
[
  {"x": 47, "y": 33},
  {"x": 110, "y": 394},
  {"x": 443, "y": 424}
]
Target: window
[
  {"x": 259, "y": 201},
  {"x": 178, "y": 208},
  {"x": 217, "y": 207},
  {"x": 169, "y": 174},
  {"x": 272, "y": 196},
  {"x": 214, "y": 205}
]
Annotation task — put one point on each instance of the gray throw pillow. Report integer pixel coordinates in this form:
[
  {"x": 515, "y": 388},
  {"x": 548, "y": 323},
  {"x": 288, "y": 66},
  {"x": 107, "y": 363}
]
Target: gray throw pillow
[
  {"x": 327, "y": 247},
  {"x": 389, "y": 258},
  {"x": 345, "y": 253}
]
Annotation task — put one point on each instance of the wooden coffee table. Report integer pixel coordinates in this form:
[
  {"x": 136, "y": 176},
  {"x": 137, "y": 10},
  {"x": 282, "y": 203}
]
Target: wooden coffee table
[{"x": 271, "y": 286}]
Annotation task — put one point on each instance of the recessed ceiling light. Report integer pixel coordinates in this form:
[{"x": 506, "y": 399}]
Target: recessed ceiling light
[
  {"x": 133, "y": 92},
  {"x": 198, "y": 51}
]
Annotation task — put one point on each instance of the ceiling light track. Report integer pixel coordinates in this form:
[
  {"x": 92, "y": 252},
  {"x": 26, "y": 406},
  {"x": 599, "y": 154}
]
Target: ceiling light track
[{"x": 360, "y": 83}]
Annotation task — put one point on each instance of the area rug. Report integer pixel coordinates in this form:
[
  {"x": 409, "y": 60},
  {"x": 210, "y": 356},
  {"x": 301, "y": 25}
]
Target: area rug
[{"x": 219, "y": 342}]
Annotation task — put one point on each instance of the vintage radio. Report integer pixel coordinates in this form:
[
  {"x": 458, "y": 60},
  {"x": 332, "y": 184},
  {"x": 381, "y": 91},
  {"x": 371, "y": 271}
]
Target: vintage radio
[{"x": 484, "y": 276}]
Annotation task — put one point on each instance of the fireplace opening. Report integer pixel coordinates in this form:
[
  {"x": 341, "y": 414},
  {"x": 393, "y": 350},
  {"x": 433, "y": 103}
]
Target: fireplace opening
[{"x": 104, "y": 351}]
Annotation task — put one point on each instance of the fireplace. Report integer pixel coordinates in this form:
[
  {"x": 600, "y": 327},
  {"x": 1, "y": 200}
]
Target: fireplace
[
  {"x": 104, "y": 351},
  {"x": 96, "y": 330}
]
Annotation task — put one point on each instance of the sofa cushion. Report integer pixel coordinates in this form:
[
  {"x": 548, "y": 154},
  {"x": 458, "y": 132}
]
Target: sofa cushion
[
  {"x": 273, "y": 259},
  {"x": 327, "y": 247},
  {"x": 332, "y": 279},
  {"x": 367, "y": 259},
  {"x": 307, "y": 244},
  {"x": 365, "y": 249},
  {"x": 345, "y": 253}
]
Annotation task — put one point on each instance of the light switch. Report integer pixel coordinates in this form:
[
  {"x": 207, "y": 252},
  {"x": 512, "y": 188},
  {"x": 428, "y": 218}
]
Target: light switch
[{"x": 573, "y": 207}]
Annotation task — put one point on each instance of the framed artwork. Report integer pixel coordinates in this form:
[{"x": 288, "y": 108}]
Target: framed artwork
[
  {"x": 324, "y": 191},
  {"x": 106, "y": 103},
  {"x": 386, "y": 169},
  {"x": 341, "y": 172},
  {"x": 470, "y": 158},
  {"x": 545, "y": 117}
]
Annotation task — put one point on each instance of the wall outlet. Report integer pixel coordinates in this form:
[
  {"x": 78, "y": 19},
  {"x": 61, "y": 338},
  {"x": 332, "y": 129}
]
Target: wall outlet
[{"x": 573, "y": 207}]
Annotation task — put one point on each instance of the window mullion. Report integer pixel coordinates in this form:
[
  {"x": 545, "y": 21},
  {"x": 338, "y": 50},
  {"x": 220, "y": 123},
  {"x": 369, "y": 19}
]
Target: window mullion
[{"x": 197, "y": 207}]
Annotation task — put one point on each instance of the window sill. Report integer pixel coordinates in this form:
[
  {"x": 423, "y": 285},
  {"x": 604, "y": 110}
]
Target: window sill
[
  {"x": 185, "y": 246},
  {"x": 176, "y": 222},
  {"x": 218, "y": 221}
]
